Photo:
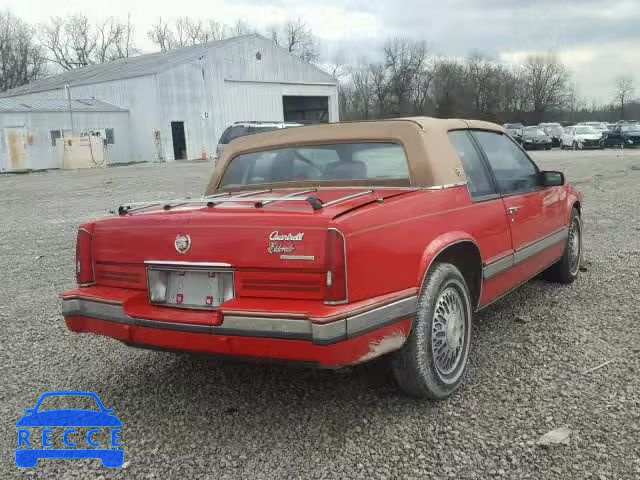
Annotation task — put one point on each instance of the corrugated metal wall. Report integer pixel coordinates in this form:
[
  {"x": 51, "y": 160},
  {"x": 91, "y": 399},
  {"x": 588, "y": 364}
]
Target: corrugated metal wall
[
  {"x": 245, "y": 88},
  {"x": 182, "y": 90},
  {"x": 32, "y": 132},
  {"x": 138, "y": 95}
]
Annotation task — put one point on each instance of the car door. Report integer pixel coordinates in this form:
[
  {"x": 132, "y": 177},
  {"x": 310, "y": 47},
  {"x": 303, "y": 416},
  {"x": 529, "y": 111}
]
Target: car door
[
  {"x": 615, "y": 137},
  {"x": 536, "y": 213},
  {"x": 567, "y": 137},
  {"x": 488, "y": 221}
]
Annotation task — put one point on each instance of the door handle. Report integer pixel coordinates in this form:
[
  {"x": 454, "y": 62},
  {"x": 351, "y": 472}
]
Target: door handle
[{"x": 513, "y": 210}]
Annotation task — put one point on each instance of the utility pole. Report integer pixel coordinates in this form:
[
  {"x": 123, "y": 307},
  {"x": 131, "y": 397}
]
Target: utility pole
[{"x": 67, "y": 90}]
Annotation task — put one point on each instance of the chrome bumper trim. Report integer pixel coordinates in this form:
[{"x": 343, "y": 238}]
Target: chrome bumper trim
[
  {"x": 381, "y": 317},
  {"x": 263, "y": 327}
]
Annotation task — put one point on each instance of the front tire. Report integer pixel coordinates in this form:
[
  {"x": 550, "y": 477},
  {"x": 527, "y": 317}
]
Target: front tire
[
  {"x": 566, "y": 270},
  {"x": 434, "y": 359}
]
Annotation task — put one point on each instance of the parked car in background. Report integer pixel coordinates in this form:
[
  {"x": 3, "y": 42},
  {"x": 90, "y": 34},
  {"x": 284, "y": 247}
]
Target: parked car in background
[
  {"x": 311, "y": 246},
  {"x": 578, "y": 137},
  {"x": 599, "y": 126},
  {"x": 554, "y": 130},
  {"x": 535, "y": 138},
  {"x": 515, "y": 130},
  {"x": 624, "y": 135},
  {"x": 241, "y": 129},
  {"x": 611, "y": 126}
]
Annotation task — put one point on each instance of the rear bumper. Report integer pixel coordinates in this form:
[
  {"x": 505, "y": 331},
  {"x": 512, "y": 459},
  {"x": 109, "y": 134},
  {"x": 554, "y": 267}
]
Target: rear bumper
[{"x": 348, "y": 340}]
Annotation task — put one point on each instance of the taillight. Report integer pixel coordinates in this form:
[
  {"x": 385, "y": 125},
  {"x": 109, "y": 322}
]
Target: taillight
[
  {"x": 336, "y": 267},
  {"x": 84, "y": 256}
]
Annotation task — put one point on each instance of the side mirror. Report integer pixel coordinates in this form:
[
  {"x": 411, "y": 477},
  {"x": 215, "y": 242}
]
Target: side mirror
[{"x": 552, "y": 179}]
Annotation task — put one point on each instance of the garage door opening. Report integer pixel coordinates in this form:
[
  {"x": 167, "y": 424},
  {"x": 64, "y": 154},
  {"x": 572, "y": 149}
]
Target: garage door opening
[
  {"x": 179, "y": 141},
  {"x": 306, "y": 109}
]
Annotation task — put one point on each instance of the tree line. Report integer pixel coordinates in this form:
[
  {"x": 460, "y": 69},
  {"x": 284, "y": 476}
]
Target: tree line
[{"x": 408, "y": 78}]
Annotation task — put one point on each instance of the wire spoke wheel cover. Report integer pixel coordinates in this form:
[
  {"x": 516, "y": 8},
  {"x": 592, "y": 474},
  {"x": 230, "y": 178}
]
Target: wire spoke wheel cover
[
  {"x": 449, "y": 333},
  {"x": 574, "y": 246}
]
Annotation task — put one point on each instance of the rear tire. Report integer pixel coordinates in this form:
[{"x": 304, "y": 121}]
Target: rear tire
[
  {"x": 434, "y": 359},
  {"x": 566, "y": 270}
]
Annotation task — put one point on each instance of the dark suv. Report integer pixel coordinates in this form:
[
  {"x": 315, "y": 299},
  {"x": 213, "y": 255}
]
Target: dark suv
[{"x": 241, "y": 129}]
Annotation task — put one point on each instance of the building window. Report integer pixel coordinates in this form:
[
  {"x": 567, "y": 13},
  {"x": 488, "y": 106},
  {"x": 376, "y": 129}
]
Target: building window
[
  {"x": 109, "y": 139},
  {"x": 55, "y": 135}
]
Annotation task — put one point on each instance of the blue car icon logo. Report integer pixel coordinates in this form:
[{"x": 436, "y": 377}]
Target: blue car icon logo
[{"x": 69, "y": 433}]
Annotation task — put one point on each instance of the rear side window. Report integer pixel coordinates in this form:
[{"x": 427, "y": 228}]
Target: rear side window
[
  {"x": 232, "y": 133},
  {"x": 238, "y": 131},
  {"x": 253, "y": 130},
  {"x": 512, "y": 169},
  {"x": 336, "y": 162},
  {"x": 478, "y": 176}
]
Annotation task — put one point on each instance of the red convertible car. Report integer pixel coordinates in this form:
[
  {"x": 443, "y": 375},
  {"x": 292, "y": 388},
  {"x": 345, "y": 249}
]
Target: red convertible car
[{"x": 332, "y": 245}]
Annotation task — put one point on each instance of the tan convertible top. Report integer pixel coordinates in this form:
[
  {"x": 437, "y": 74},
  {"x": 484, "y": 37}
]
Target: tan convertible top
[{"x": 433, "y": 161}]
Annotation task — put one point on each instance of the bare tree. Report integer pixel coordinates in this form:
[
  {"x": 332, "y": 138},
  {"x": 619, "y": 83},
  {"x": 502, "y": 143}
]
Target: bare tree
[
  {"x": 185, "y": 31},
  {"x": 239, "y": 28},
  {"x": 624, "y": 90},
  {"x": 297, "y": 38},
  {"x": 114, "y": 40},
  {"x": 449, "y": 82},
  {"x": 200, "y": 31},
  {"x": 404, "y": 61},
  {"x": 74, "y": 42},
  {"x": 21, "y": 58},
  {"x": 161, "y": 34},
  {"x": 486, "y": 84},
  {"x": 545, "y": 80}
]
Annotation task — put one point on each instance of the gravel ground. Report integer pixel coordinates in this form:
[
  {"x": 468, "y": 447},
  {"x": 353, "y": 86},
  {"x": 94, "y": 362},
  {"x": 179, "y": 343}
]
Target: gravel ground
[{"x": 189, "y": 416}]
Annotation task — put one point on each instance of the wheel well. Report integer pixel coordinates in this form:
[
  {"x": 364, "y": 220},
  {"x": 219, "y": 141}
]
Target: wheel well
[
  {"x": 578, "y": 207},
  {"x": 466, "y": 256}
]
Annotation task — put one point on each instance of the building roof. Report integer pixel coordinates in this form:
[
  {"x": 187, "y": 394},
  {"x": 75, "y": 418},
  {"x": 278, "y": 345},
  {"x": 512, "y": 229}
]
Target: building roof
[
  {"x": 147, "y": 64},
  {"x": 11, "y": 105}
]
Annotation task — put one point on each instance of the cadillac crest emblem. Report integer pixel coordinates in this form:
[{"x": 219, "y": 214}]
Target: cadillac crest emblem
[{"x": 182, "y": 243}]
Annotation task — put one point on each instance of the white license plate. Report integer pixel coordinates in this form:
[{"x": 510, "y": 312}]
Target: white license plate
[{"x": 193, "y": 289}]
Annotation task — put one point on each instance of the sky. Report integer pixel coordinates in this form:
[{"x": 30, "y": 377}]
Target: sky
[{"x": 598, "y": 40}]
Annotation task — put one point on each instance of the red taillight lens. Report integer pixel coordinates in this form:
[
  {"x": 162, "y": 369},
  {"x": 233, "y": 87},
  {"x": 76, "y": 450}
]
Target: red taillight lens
[
  {"x": 336, "y": 281},
  {"x": 84, "y": 256}
]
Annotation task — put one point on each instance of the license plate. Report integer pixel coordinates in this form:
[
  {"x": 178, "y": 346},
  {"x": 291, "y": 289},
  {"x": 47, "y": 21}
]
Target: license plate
[
  {"x": 189, "y": 287},
  {"x": 193, "y": 289}
]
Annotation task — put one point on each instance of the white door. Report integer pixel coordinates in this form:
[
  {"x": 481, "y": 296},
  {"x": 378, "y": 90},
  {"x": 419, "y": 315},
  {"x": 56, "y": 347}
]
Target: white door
[{"x": 13, "y": 155}]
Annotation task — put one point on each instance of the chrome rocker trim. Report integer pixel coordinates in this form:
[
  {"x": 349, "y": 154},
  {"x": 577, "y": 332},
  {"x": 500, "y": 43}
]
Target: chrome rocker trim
[
  {"x": 512, "y": 260},
  {"x": 253, "y": 326}
]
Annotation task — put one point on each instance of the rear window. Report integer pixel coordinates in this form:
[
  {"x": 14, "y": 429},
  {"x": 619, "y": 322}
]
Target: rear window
[
  {"x": 237, "y": 131},
  {"x": 338, "y": 162}
]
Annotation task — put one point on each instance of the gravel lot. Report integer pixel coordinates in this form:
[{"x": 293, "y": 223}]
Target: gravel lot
[{"x": 188, "y": 416}]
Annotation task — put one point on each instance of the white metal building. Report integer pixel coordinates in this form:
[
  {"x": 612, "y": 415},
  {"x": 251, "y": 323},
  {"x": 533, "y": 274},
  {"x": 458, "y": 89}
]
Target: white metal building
[
  {"x": 29, "y": 130},
  {"x": 179, "y": 102}
]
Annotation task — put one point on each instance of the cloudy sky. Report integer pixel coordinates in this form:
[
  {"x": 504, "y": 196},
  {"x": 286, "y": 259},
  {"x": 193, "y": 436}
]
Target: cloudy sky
[{"x": 598, "y": 39}]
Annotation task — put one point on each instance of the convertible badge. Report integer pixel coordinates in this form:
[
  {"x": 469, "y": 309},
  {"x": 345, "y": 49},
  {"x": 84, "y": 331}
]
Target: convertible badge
[
  {"x": 182, "y": 243},
  {"x": 286, "y": 237},
  {"x": 276, "y": 237}
]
